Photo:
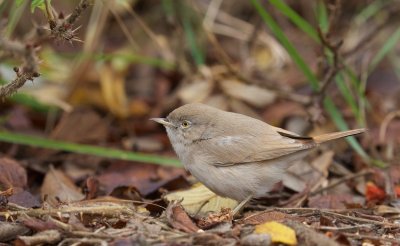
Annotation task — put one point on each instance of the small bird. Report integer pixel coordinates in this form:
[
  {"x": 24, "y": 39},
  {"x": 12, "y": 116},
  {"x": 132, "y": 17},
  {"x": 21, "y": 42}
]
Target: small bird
[{"x": 234, "y": 155}]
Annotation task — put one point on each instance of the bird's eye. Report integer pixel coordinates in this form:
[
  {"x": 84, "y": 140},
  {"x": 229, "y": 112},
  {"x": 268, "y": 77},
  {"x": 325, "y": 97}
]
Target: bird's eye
[{"x": 186, "y": 124}]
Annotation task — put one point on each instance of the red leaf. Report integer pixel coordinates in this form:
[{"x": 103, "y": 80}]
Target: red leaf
[{"x": 374, "y": 193}]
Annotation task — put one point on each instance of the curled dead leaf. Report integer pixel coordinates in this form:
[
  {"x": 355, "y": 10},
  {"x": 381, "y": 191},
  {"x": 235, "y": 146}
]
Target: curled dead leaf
[
  {"x": 179, "y": 219},
  {"x": 58, "y": 187},
  {"x": 225, "y": 215},
  {"x": 196, "y": 91},
  {"x": 251, "y": 94},
  {"x": 200, "y": 200},
  {"x": 12, "y": 175}
]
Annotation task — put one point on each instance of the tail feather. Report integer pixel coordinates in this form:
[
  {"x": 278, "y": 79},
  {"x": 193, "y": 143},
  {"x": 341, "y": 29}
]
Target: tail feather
[{"x": 335, "y": 135}]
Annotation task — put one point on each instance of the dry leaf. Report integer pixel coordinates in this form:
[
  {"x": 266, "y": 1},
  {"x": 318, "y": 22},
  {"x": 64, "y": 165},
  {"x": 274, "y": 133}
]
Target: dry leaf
[
  {"x": 57, "y": 185},
  {"x": 385, "y": 210},
  {"x": 196, "y": 91},
  {"x": 251, "y": 94},
  {"x": 12, "y": 175},
  {"x": 145, "y": 178},
  {"x": 113, "y": 91},
  {"x": 179, "y": 219},
  {"x": 279, "y": 233},
  {"x": 266, "y": 216},
  {"x": 200, "y": 200},
  {"x": 213, "y": 219},
  {"x": 374, "y": 193},
  {"x": 72, "y": 128},
  {"x": 334, "y": 201}
]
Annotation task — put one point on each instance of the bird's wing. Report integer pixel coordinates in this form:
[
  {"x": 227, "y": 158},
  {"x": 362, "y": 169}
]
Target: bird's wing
[{"x": 248, "y": 148}]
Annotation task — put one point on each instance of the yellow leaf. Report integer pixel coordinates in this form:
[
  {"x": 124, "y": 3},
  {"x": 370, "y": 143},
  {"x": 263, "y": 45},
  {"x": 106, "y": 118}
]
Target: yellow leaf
[
  {"x": 200, "y": 200},
  {"x": 279, "y": 233}
]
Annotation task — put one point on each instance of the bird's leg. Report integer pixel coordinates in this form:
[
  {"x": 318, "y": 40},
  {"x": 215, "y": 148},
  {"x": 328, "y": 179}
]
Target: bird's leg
[{"x": 241, "y": 205}]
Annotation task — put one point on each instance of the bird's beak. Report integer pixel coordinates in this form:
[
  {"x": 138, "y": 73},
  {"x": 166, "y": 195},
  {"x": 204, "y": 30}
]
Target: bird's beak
[{"x": 163, "y": 121}]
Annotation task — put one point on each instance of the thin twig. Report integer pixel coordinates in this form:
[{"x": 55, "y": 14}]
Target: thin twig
[
  {"x": 341, "y": 180},
  {"x": 377, "y": 238}
]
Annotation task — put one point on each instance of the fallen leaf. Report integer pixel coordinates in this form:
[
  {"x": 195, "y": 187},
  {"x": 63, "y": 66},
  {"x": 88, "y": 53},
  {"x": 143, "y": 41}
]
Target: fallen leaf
[
  {"x": 12, "y": 175},
  {"x": 58, "y": 187},
  {"x": 38, "y": 225},
  {"x": 279, "y": 232},
  {"x": 374, "y": 193},
  {"x": 73, "y": 129},
  {"x": 334, "y": 201},
  {"x": 252, "y": 94},
  {"x": 196, "y": 91},
  {"x": 200, "y": 200},
  {"x": 266, "y": 216},
  {"x": 385, "y": 210},
  {"x": 112, "y": 84},
  {"x": 146, "y": 178},
  {"x": 25, "y": 199},
  {"x": 179, "y": 219},
  {"x": 212, "y": 219}
]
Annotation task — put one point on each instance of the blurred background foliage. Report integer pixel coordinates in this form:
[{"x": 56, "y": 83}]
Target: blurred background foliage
[{"x": 307, "y": 66}]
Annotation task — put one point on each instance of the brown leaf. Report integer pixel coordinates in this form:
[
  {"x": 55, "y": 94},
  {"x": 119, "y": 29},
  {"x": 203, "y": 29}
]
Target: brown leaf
[
  {"x": 179, "y": 219},
  {"x": 266, "y": 216},
  {"x": 25, "y": 199},
  {"x": 39, "y": 225},
  {"x": 92, "y": 188},
  {"x": 196, "y": 91},
  {"x": 251, "y": 94},
  {"x": 57, "y": 186},
  {"x": 145, "y": 178},
  {"x": 81, "y": 126},
  {"x": 213, "y": 219},
  {"x": 12, "y": 175},
  {"x": 336, "y": 201}
]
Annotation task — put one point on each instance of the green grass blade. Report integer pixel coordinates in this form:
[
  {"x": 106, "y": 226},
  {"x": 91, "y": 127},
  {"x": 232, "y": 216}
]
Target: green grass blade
[
  {"x": 348, "y": 96},
  {"x": 195, "y": 50},
  {"x": 86, "y": 149},
  {"x": 295, "y": 18},
  {"x": 14, "y": 17},
  {"x": 322, "y": 16},
  {"x": 279, "y": 34},
  {"x": 370, "y": 10},
  {"x": 385, "y": 49},
  {"x": 132, "y": 58}
]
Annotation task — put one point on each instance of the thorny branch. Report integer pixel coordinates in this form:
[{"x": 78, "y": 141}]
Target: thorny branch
[
  {"x": 28, "y": 70},
  {"x": 27, "y": 52},
  {"x": 62, "y": 28}
]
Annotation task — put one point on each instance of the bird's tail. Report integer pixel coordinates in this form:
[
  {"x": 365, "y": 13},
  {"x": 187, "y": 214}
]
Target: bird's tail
[{"x": 335, "y": 135}]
